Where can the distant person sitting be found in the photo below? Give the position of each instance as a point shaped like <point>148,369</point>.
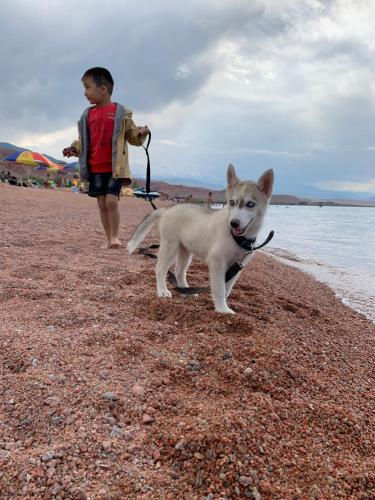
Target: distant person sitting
<point>11,179</point>
<point>47,183</point>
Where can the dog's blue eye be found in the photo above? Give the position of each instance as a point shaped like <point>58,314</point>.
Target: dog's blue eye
<point>231,203</point>
<point>250,204</point>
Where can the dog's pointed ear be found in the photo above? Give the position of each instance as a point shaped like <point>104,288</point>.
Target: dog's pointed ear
<point>265,182</point>
<point>232,179</point>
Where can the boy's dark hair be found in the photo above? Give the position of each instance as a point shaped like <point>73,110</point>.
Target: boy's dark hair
<point>101,76</point>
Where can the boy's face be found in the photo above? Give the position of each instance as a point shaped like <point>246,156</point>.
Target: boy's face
<point>93,93</point>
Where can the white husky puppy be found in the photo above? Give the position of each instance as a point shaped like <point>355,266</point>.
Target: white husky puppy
<point>213,236</point>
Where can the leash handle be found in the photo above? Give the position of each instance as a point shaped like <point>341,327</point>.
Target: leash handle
<point>148,172</point>
<point>148,169</point>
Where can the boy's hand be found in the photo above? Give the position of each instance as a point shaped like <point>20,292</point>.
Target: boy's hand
<point>143,132</point>
<point>69,152</point>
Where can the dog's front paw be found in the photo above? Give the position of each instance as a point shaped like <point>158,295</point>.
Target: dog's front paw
<point>226,310</point>
<point>166,294</point>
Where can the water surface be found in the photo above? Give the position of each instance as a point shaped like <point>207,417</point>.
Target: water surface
<point>334,244</point>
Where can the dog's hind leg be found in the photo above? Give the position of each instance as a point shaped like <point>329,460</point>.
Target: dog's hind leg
<point>183,260</point>
<point>166,256</point>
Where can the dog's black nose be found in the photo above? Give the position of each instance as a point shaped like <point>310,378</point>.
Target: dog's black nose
<point>235,223</point>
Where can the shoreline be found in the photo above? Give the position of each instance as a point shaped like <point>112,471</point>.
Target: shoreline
<point>362,304</point>
<point>109,392</point>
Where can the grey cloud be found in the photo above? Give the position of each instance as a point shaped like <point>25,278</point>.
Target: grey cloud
<point>49,49</point>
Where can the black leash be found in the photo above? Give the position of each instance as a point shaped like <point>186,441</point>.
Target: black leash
<point>148,172</point>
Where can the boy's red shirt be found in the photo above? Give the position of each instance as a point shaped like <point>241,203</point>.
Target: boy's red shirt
<point>101,122</point>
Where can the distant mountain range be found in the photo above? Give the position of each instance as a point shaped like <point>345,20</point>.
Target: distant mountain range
<point>183,181</point>
<point>311,194</point>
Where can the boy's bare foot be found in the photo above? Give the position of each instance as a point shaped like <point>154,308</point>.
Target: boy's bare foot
<point>115,243</point>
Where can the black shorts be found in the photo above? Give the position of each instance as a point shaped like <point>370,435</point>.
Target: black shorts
<point>102,184</point>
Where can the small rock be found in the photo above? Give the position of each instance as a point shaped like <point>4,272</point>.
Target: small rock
<point>226,356</point>
<point>199,456</point>
<point>57,419</point>
<point>194,366</point>
<point>147,419</point>
<point>107,446</point>
<point>137,487</point>
<point>52,401</point>
<point>56,489</point>
<point>244,481</point>
<point>51,472</point>
<point>109,396</point>
<point>198,480</point>
<point>109,420</point>
<point>116,431</point>
<point>138,390</point>
<point>83,448</point>
<point>25,422</point>
<point>4,455</point>
<point>180,445</point>
<point>48,456</point>
<point>256,494</point>
<point>80,495</point>
<point>37,472</point>
<point>248,372</point>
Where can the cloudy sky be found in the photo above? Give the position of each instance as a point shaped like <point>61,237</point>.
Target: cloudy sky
<point>282,84</point>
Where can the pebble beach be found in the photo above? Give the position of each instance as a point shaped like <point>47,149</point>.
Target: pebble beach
<point>108,392</point>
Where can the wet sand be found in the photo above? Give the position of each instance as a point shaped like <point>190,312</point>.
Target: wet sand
<point>108,392</point>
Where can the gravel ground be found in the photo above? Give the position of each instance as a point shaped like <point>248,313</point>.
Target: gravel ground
<point>108,392</point>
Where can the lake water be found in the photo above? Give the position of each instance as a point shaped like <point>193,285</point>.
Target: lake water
<point>334,244</point>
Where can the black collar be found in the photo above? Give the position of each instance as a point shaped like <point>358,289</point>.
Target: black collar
<point>245,243</point>
<point>248,243</point>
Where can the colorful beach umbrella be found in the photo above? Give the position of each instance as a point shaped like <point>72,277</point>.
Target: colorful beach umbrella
<point>33,159</point>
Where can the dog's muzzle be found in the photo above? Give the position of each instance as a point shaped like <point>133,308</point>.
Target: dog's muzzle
<point>235,223</point>
<point>236,226</point>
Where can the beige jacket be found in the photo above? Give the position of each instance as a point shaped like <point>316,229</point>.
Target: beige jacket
<point>124,131</point>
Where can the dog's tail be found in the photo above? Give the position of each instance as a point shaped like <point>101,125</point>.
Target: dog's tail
<point>143,229</point>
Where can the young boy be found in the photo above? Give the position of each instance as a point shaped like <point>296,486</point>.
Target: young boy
<point>104,130</point>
